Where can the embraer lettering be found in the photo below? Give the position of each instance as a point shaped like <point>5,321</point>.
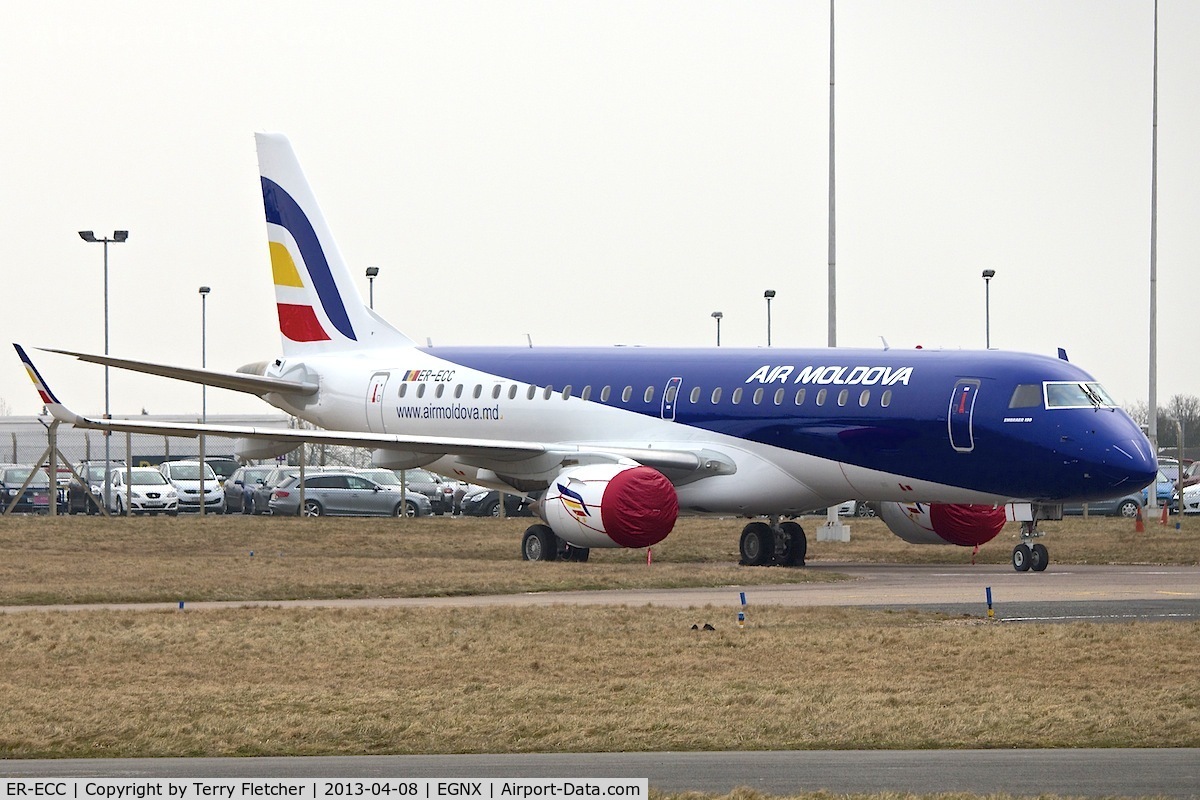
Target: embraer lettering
<point>834,375</point>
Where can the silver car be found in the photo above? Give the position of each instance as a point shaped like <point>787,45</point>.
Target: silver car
<point>345,494</point>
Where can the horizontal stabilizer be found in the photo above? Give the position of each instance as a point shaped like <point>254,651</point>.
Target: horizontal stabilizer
<point>234,381</point>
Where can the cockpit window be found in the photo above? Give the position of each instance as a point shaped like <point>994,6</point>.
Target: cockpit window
<point>1067,394</point>
<point>1026,395</point>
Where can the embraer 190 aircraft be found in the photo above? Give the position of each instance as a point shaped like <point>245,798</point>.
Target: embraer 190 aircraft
<point>615,443</point>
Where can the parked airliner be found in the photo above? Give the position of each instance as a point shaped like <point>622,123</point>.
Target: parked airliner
<point>615,443</point>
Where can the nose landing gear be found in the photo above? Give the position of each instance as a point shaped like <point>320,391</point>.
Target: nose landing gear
<point>1026,557</point>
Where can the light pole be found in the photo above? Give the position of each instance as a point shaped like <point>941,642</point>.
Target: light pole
<point>988,274</point>
<point>117,237</point>
<point>717,316</point>
<point>204,290</point>
<point>372,272</point>
<point>769,293</point>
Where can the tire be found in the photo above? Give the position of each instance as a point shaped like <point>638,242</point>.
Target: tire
<point>795,545</point>
<point>539,544</point>
<point>311,509</point>
<point>757,545</point>
<point>173,513</point>
<point>1022,557</point>
<point>864,509</point>
<point>408,509</point>
<point>1039,558</point>
<point>493,510</point>
<point>1129,509</point>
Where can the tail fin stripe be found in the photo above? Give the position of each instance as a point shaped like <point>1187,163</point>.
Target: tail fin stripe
<point>283,268</point>
<point>282,210</point>
<point>300,323</point>
<point>47,396</point>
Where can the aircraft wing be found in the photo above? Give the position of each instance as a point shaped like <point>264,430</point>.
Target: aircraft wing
<point>479,449</point>
<point>235,381</point>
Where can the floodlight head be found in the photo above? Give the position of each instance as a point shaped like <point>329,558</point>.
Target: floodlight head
<point>372,272</point>
<point>88,236</point>
<point>205,290</point>
<point>988,274</point>
<point>717,315</point>
<point>120,236</point>
<point>769,293</point>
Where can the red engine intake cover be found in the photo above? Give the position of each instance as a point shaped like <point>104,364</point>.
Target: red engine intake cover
<point>639,507</point>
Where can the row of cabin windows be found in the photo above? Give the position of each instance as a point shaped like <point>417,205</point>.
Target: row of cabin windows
<point>778,397</point>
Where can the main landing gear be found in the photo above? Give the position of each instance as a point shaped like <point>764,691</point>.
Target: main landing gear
<point>782,543</point>
<point>540,543</point>
<point>1026,557</point>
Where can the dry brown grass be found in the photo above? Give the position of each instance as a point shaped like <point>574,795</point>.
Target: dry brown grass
<point>81,559</point>
<point>274,682</point>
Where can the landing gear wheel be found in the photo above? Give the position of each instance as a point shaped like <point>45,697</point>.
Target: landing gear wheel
<point>1039,558</point>
<point>569,552</point>
<point>794,545</point>
<point>1022,558</point>
<point>539,544</point>
<point>757,545</point>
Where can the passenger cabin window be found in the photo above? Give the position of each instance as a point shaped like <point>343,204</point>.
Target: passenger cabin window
<point>403,389</point>
<point>626,394</point>
<point>605,393</point>
<point>695,397</point>
<point>886,399</point>
<point>546,394</point>
<point>566,392</point>
<point>737,395</point>
<point>649,394</point>
<point>512,392</point>
<point>716,395</point>
<point>821,396</point>
<point>458,391</point>
<point>529,395</point>
<point>758,396</point>
<point>586,394</point>
<point>864,397</point>
<point>779,396</point>
<point>843,396</point>
<point>439,390</point>
<point>420,390</point>
<point>496,391</point>
<point>800,396</point>
<point>478,391</point>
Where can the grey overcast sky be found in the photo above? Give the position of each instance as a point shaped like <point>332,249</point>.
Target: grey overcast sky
<point>594,173</point>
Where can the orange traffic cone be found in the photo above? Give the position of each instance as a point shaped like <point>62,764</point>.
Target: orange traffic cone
<point>1165,513</point>
<point>1139,526</point>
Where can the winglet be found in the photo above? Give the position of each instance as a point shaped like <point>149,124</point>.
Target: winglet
<point>52,404</point>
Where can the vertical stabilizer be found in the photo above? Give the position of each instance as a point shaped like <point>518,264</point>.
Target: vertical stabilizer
<point>317,301</point>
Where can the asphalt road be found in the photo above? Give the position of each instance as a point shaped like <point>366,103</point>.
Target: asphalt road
<point>1077,773</point>
<point>1064,593</point>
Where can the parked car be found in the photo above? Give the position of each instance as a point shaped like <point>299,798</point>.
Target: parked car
<point>262,492</point>
<point>224,467</point>
<point>78,494</point>
<point>35,499</point>
<point>856,508</point>
<point>345,494</point>
<point>1191,475</point>
<point>149,492</point>
<point>1190,499</point>
<point>186,477</point>
<point>240,488</point>
<point>486,503</point>
<point>1126,505</point>
<point>439,490</point>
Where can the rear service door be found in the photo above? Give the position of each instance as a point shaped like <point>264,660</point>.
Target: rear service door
<point>375,415</point>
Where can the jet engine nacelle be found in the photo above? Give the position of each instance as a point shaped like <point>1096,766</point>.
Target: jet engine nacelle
<point>943,523</point>
<point>400,459</point>
<point>610,505</point>
<point>261,449</point>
